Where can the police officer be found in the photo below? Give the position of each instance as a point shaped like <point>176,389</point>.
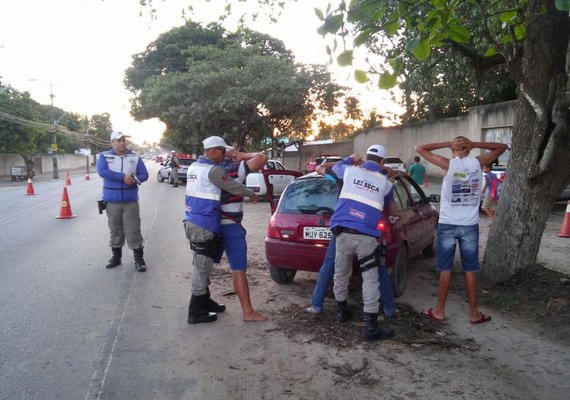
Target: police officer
<point>364,195</point>
<point>122,171</point>
<point>205,182</point>
<point>174,163</point>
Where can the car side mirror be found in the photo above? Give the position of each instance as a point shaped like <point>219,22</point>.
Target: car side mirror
<point>434,198</point>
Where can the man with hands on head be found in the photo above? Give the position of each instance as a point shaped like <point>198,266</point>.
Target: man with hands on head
<point>459,216</point>
<point>238,165</point>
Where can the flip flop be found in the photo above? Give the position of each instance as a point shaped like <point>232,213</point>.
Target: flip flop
<point>482,319</point>
<point>430,315</point>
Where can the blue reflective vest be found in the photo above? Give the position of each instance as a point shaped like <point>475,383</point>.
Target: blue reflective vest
<point>203,207</point>
<point>112,168</point>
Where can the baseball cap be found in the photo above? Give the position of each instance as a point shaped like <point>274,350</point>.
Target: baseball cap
<point>215,141</point>
<point>117,135</point>
<point>377,150</point>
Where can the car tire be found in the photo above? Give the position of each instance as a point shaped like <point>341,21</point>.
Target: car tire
<point>281,275</point>
<point>159,177</point>
<point>400,271</point>
<point>431,250</point>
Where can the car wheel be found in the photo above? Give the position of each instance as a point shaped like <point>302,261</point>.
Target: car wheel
<point>159,177</point>
<point>430,251</point>
<point>400,271</point>
<point>282,275</point>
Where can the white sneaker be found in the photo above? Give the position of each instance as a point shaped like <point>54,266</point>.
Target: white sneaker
<point>312,310</point>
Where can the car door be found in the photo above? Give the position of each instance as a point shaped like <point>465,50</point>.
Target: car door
<point>278,182</point>
<point>273,197</point>
<point>424,221</point>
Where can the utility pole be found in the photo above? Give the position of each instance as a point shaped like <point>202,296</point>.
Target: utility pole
<point>54,137</point>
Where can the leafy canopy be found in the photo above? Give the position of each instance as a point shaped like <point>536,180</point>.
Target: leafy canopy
<point>202,81</point>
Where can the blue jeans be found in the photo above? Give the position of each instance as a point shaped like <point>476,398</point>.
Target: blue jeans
<point>386,293</point>
<point>326,273</point>
<point>448,236</point>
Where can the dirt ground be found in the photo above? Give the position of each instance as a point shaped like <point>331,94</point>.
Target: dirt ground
<point>521,354</point>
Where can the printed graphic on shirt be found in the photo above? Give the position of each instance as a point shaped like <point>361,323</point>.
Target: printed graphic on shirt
<point>465,189</point>
<point>357,214</point>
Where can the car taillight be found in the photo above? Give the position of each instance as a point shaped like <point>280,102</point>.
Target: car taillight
<point>272,231</point>
<point>385,230</point>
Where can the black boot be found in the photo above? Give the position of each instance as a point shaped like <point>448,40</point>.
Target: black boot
<point>342,313</point>
<point>116,258</point>
<point>197,312</point>
<point>211,306</point>
<point>139,260</point>
<point>372,331</point>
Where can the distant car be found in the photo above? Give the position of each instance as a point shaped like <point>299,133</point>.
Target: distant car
<point>298,233</point>
<point>278,182</point>
<point>395,163</point>
<point>323,158</point>
<point>499,171</point>
<point>185,161</point>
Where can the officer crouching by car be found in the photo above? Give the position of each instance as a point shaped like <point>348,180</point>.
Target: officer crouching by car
<point>204,185</point>
<point>122,171</point>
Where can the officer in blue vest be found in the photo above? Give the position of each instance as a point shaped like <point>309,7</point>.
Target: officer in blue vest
<point>365,193</point>
<point>205,182</point>
<point>122,171</point>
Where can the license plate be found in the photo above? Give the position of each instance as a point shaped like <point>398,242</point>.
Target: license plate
<point>317,233</point>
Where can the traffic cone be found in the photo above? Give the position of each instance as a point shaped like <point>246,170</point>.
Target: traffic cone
<point>30,189</point>
<point>565,228</point>
<point>67,180</point>
<point>65,211</point>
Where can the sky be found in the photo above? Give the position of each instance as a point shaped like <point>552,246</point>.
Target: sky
<point>78,50</point>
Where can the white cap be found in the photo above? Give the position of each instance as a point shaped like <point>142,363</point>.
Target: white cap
<point>215,141</point>
<point>173,151</point>
<point>117,135</point>
<point>377,150</point>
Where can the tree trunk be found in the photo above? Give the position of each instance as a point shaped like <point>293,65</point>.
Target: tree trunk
<point>539,167</point>
<point>29,161</point>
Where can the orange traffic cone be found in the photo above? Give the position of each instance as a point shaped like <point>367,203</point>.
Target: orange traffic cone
<point>565,228</point>
<point>67,180</point>
<point>65,211</point>
<point>30,190</point>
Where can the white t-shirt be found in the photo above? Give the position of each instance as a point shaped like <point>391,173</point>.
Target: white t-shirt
<point>461,192</point>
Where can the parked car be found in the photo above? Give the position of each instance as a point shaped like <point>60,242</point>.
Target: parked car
<point>185,160</point>
<point>298,232</point>
<point>395,163</point>
<point>323,158</point>
<point>278,182</point>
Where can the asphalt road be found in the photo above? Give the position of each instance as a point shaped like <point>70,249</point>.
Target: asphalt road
<point>62,313</point>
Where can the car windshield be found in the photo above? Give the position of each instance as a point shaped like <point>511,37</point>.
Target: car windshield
<point>309,196</point>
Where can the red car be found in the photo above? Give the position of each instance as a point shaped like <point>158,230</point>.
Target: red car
<point>298,233</point>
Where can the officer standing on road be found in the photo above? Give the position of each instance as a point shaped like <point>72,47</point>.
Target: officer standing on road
<point>174,164</point>
<point>122,171</point>
<point>205,182</point>
<point>365,193</point>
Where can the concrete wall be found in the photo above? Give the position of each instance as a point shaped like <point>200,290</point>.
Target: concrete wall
<point>400,141</point>
<point>43,163</point>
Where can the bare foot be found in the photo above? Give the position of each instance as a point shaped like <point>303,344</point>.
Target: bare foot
<point>255,316</point>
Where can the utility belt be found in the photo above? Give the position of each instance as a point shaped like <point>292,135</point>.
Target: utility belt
<point>337,230</point>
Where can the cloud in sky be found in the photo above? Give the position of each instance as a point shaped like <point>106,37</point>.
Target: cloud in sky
<point>82,48</point>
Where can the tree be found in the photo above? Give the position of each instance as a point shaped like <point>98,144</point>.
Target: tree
<point>244,86</point>
<point>531,39</point>
<point>16,137</point>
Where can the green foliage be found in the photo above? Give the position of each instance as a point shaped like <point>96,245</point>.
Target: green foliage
<point>438,52</point>
<point>245,85</point>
